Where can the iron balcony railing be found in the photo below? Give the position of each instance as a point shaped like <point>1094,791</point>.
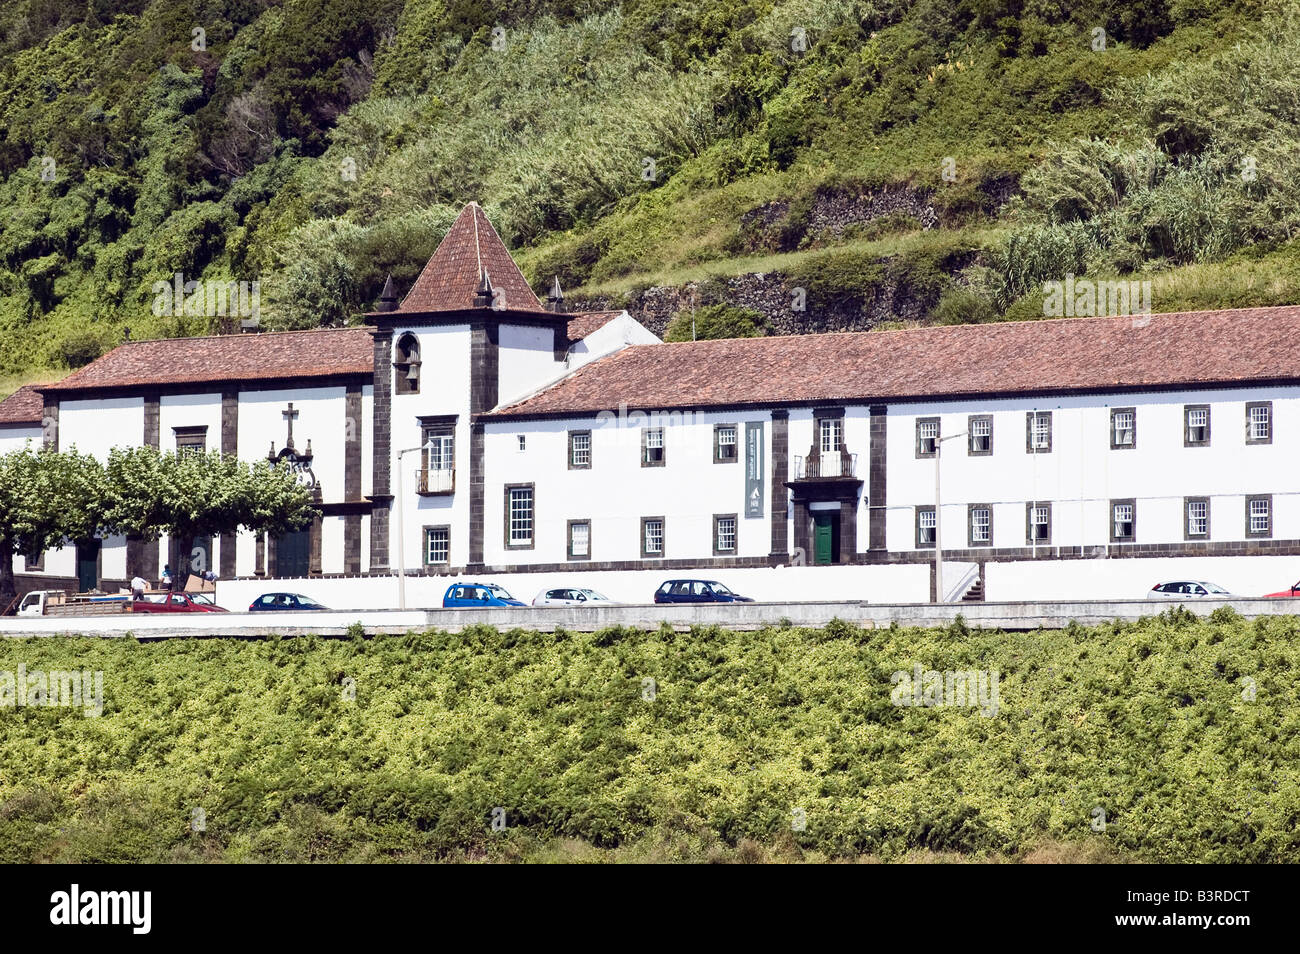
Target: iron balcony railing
<point>827,466</point>
<point>436,481</point>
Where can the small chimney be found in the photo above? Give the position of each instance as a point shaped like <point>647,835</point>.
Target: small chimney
<point>483,297</point>
<point>388,297</point>
<point>555,300</point>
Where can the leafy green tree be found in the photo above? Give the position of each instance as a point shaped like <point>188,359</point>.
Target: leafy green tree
<point>191,495</point>
<point>47,499</point>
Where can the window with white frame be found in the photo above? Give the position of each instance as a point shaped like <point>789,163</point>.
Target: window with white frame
<point>437,546</point>
<point>1259,422</point>
<point>1040,523</point>
<point>652,447</point>
<point>981,525</point>
<point>652,536</point>
<point>831,430</point>
<point>1259,516</point>
<point>1123,428</point>
<point>1123,521</point>
<point>925,527</point>
<point>724,533</point>
<point>927,436</point>
<point>579,450</point>
<point>579,539</point>
<point>980,431</point>
<point>1040,432</point>
<point>1198,425</point>
<point>519,516</point>
<point>724,444</point>
<point>1198,517</point>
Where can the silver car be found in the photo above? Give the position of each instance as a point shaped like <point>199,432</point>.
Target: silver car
<point>1189,590</point>
<point>571,596</point>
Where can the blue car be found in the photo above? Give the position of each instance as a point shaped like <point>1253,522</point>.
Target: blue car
<point>697,591</point>
<point>472,595</point>
<point>292,602</point>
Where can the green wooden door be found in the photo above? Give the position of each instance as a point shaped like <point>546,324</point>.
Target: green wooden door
<point>293,553</point>
<point>823,538</point>
<point>88,565</point>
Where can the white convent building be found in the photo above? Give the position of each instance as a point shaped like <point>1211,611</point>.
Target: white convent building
<point>1081,457</point>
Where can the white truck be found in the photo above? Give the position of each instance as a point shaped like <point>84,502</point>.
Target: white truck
<point>59,603</point>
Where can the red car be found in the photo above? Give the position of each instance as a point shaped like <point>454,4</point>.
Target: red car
<point>174,603</point>
<point>1284,594</point>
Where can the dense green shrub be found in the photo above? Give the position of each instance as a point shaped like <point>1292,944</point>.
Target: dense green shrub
<point>401,747</point>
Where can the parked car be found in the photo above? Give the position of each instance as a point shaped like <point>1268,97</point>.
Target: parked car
<point>1188,590</point>
<point>697,591</point>
<point>1284,594</point>
<point>571,596</point>
<point>471,595</point>
<point>271,602</point>
<point>174,603</point>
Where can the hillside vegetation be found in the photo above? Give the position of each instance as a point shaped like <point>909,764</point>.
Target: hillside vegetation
<point>951,154</point>
<point>401,747</point>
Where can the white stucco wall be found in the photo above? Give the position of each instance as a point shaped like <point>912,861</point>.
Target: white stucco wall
<point>617,491</point>
<point>16,437</point>
<point>1082,474</point>
<point>97,426</point>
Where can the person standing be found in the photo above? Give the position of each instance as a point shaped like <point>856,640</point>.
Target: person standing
<point>137,587</point>
<point>167,577</point>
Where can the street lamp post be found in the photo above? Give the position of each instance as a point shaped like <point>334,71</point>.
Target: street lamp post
<point>938,522</point>
<point>401,530</point>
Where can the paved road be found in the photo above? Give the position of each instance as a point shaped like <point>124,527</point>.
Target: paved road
<point>742,616</point>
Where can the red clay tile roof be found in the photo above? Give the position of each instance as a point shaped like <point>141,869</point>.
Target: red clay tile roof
<point>585,323</point>
<point>450,280</point>
<point>324,352</point>
<point>24,406</point>
<point>1058,355</point>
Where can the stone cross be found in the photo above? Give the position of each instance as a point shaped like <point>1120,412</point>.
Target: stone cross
<point>290,416</point>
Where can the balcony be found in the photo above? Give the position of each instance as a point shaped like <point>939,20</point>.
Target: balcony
<point>434,482</point>
<point>830,467</point>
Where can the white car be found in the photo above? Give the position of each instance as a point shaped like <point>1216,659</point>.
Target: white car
<point>1188,590</point>
<point>571,596</point>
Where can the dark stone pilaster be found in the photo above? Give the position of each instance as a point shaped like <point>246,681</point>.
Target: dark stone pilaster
<point>484,370</point>
<point>229,447</point>
<point>151,421</point>
<point>778,505</point>
<point>50,424</point>
<point>848,531</point>
<point>352,478</point>
<point>476,494</point>
<point>803,530</point>
<point>876,472</point>
<point>382,452</point>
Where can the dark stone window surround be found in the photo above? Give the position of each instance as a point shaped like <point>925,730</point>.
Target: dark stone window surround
<point>717,446</point>
<point>1187,533</point>
<point>1254,404</point>
<point>505,531</point>
<point>970,525</point>
<point>568,539</point>
<point>591,449</point>
<point>916,525</point>
<point>424,540</point>
<point>1266,533</point>
<point>1118,410</point>
<point>1110,516</point>
<point>663,447</point>
<point>663,539</point>
<point>930,419</point>
<point>735,519</point>
<point>971,420</point>
<point>1030,541</point>
<point>1030,417</point>
<point>1187,412</point>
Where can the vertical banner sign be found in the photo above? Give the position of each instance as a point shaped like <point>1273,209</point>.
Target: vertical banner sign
<point>755,471</point>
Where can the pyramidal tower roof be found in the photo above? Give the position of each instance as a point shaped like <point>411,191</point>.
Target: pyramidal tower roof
<point>470,251</point>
